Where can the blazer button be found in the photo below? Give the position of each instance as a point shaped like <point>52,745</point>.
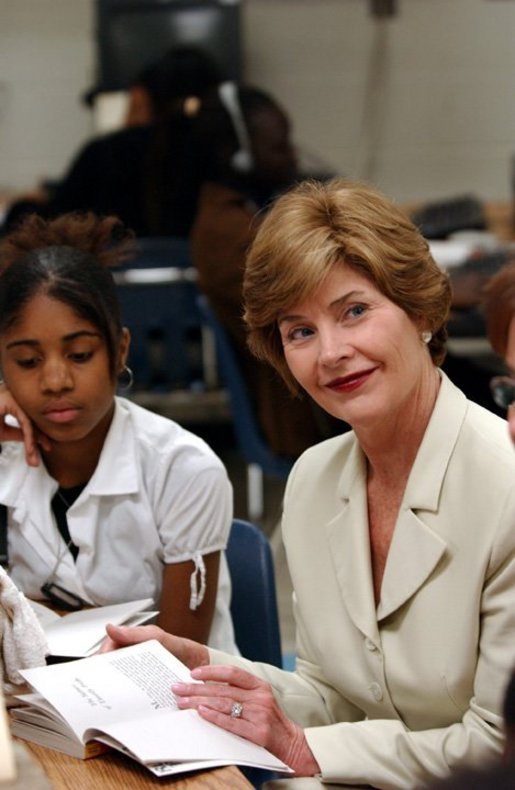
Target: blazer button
<point>376,691</point>
<point>370,645</point>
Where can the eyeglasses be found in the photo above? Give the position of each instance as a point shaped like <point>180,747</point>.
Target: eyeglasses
<point>503,391</point>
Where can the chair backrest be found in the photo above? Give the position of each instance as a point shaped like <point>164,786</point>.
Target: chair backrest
<point>254,600</point>
<point>252,445</point>
<point>158,299</point>
<point>160,251</point>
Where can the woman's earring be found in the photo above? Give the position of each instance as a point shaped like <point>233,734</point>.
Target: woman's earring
<point>125,379</point>
<point>426,336</point>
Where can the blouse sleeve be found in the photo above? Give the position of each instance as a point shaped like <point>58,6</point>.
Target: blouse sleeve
<point>194,507</point>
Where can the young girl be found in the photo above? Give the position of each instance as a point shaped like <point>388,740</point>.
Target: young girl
<point>124,504</point>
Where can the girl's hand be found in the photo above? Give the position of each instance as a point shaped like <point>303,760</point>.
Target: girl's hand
<point>25,432</point>
<point>191,653</point>
<point>261,719</point>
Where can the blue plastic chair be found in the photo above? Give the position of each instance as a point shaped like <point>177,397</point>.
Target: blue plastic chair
<point>254,601</point>
<point>259,457</point>
<point>158,299</point>
<point>160,251</point>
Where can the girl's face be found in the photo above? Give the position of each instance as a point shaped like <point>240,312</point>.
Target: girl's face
<point>56,366</point>
<point>358,355</point>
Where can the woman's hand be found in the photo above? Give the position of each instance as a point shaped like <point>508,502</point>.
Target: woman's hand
<point>25,432</point>
<point>261,720</point>
<point>191,653</point>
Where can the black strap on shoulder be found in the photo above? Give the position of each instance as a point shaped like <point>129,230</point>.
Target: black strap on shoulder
<point>4,558</point>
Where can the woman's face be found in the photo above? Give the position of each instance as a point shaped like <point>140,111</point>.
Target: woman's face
<point>56,365</point>
<point>358,355</point>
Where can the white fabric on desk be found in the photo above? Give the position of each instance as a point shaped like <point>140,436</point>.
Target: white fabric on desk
<point>23,641</point>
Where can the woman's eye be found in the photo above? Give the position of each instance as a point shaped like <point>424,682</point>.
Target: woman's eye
<point>300,333</point>
<point>356,310</point>
<point>81,356</point>
<point>27,364</point>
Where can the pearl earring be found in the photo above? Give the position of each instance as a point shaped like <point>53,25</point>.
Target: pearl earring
<point>426,336</point>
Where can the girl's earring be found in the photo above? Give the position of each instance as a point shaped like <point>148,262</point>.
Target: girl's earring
<point>125,379</point>
<point>426,336</point>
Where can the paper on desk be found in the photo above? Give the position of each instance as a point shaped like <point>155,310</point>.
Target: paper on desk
<point>80,633</point>
<point>43,613</point>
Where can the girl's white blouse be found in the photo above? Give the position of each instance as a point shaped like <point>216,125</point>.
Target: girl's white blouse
<point>159,495</point>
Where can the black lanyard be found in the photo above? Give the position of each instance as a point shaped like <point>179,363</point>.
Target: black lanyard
<point>61,522</point>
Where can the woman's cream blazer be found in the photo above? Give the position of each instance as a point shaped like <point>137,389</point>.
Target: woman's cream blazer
<point>395,695</point>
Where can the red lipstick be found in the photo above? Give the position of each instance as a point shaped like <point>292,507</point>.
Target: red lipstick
<point>350,382</point>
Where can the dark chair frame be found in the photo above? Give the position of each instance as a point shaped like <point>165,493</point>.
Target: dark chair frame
<point>259,457</point>
<point>254,600</point>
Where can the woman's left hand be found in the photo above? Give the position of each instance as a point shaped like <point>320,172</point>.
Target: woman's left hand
<point>243,704</point>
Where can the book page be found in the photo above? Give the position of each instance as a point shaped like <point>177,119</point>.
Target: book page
<point>183,736</point>
<point>44,614</point>
<point>80,633</point>
<point>126,694</point>
<point>123,684</point>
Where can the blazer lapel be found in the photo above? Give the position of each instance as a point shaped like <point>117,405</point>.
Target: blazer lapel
<point>416,549</point>
<point>414,553</point>
<point>348,539</point>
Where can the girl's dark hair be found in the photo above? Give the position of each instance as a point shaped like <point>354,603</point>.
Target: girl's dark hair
<point>66,259</point>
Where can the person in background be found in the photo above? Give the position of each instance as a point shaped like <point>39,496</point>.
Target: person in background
<point>130,173</point>
<point>247,158</point>
<point>499,309</point>
<point>509,719</point>
<point>115,503</point>
<point>498,302</point>
<point>398,534</point>
<point>498,773</point>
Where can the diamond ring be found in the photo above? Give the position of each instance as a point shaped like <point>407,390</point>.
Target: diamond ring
<point>236,710</point>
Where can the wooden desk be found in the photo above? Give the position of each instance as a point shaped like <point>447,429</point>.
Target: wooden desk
<point>113,771</point>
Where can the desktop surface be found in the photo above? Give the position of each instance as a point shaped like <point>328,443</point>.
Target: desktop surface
<point>114,771</point>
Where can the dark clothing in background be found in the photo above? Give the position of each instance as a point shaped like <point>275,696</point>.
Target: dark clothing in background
<point>119,174</point>
<point>222,231</point>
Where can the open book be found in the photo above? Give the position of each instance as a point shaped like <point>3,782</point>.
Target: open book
<point>79,634</point>
<point>123,700</point>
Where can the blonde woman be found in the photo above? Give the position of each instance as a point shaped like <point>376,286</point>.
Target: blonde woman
<point>399,534</point>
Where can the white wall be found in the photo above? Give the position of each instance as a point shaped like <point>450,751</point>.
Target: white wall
<point>46,60</point>
<point>421,104</point>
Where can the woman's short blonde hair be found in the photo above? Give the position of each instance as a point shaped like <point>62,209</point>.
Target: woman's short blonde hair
<point>317,226</point>
<point>499,305</point>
